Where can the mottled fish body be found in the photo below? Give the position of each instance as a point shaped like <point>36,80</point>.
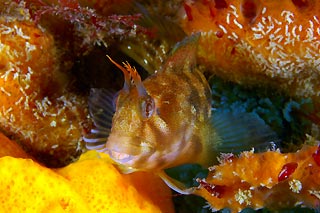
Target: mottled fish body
<point>166,120</point>
<point>173,135</point>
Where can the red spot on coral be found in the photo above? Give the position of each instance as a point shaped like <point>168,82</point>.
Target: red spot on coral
<point>36,35</point>
<point>220,4</point>
<point>219,34</point>
<point>188,11</point>
<point>212,13</point>
<point>249,9</point>
<point>214,190</point>
<point>94,21</point>
<point>74,4</point>
<point>210,6</point>
<point>300,3</point>
<point>316,156</point>
<point>287,170</point>
<point>233,51</point>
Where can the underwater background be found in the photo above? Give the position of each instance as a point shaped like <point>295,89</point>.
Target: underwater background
<point>73,38</point>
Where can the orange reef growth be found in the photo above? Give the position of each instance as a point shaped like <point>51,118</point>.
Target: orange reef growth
<point>265,180</point>
<point>82,23</point>
<point>36,107</point>
<point>40,42</point>
<point>259,42</point>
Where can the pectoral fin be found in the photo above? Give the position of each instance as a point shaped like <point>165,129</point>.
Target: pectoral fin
<point>101,109</point>
<point>242,131</point>
<point>175,184</point>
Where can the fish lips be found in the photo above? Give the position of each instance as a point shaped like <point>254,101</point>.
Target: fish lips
<point>127,149</point>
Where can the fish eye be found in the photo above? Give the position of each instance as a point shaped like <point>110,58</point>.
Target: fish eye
<point>147,107</point>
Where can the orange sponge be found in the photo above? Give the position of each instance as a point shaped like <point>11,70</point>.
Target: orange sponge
<point>259,41</point>
<point>270,179</point>
<point>36,107</point>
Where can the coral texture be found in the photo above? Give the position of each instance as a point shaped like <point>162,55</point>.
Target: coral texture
<point>36,107</point>
<point>264,180</point>
<point>259,42</point>
<point>40,42</point>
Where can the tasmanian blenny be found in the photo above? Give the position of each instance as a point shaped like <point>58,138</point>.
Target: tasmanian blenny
<point>167,120</point>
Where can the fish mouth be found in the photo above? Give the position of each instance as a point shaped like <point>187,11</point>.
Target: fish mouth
<point>125,149</point>
<point>119,157</point>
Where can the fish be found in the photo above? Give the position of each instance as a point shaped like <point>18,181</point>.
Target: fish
<point>167,119</point>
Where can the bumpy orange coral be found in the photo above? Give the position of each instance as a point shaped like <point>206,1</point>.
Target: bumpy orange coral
<point>255,41</point>
<point>91,184</point>
<point>35,105</point>
<point>271,179</point>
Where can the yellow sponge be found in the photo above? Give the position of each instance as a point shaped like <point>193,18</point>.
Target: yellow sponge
<point>107,190</point>
<point>92,184</point>
<point>26,186</point>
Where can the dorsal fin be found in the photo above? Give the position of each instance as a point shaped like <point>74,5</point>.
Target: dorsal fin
<point>183,55</point>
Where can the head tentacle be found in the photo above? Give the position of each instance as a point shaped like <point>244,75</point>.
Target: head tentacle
<point>131,73</point>
<point>136,79</point>
<point>126,73</point>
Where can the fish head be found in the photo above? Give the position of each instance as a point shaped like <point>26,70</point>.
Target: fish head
<point>153,123</point>
<point>157,123</point>
<point>132,140</point>
<point>127,142</point>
